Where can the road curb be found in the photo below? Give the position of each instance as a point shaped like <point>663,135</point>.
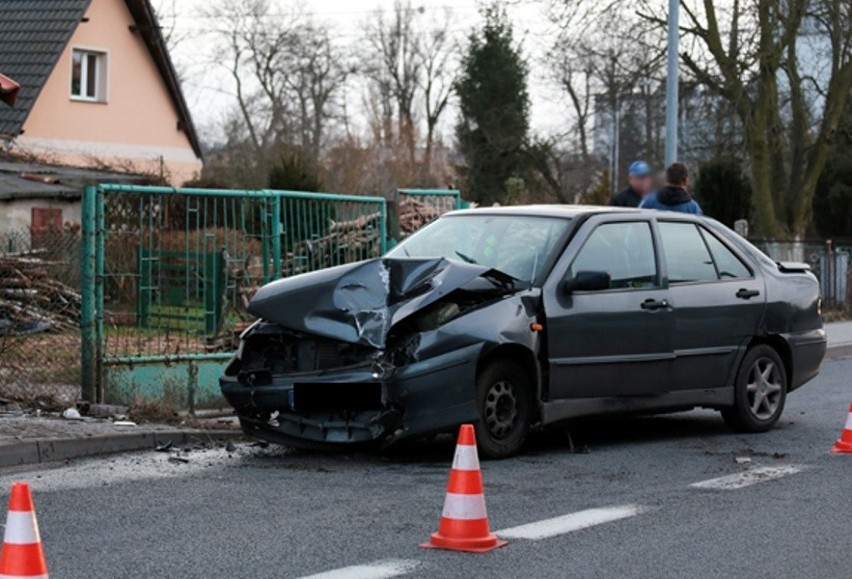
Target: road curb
<point>838,351</point>
<point>40,450</point>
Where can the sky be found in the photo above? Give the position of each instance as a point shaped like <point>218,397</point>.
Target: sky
<point>207,88</point>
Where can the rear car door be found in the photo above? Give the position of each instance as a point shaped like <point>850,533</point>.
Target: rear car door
<point>615,341</point>
<point>718,303</point>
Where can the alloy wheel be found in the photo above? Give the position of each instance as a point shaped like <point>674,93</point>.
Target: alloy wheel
<point>764,388</point>
<point>501,409</point>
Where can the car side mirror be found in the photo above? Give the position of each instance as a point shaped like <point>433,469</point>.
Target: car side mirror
<point>587,281</point>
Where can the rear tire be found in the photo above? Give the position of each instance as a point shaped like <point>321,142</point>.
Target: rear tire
<point>760,391</point>
<point>504,401</point>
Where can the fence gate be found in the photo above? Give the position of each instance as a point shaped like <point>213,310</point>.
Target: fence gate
<point>168,274</point>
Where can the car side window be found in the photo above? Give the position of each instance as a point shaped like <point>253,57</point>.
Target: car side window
<point>624,250</point>
<point>729,266</point>
<point>687,257</point>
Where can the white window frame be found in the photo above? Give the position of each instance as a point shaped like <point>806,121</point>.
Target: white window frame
<point>101,74</point>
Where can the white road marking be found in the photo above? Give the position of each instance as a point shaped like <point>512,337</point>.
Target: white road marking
<point>376,570</point>
<point>568,523</point>
<point>747,477</point>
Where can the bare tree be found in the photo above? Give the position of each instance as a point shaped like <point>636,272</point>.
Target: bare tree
<point>605,60</point>
<point>256,52</point>
<point>409,63</point>
<point>435,53</point>
<point>392,63</point>
<point>319,73</point>
<point>749,53</point>
<point>286,75</point>
<point>167,17</point>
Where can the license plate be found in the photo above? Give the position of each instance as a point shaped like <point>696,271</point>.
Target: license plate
<point>309,396</point>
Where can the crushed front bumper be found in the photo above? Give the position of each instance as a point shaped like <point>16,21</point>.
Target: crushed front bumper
<point>423,397</point>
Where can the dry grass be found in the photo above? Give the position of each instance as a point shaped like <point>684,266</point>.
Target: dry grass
<point>154,411</point>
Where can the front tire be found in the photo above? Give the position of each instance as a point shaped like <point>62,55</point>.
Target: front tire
<point>760,391</point>
<point>504,401</point>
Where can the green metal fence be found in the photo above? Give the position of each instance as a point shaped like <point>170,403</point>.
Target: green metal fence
<point>168,274</point>
<point>320,230</point>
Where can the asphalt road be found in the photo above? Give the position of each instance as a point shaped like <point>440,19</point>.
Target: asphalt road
<point>275,513</point>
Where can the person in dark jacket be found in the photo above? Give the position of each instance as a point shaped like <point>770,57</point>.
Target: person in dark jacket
<point>639,178</point>
<point>674,196</point>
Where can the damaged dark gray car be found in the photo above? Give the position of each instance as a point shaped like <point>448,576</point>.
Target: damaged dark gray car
<point>520,316</point>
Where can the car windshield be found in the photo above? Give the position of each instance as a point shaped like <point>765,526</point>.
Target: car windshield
<point>518,245</point>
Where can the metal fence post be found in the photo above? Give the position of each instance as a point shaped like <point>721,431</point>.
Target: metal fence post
<point>192,387</point>
<point>88,323</point>
<point>100,254</point>
<point>383,226</point>
<point>276,238</point>
<point>264,238</point>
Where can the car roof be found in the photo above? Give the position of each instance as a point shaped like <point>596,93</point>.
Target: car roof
<point>556,210</point>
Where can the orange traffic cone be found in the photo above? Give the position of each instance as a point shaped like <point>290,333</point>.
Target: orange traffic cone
<point>22,555</point>
<point>464,521</point>
<point>844,443</point>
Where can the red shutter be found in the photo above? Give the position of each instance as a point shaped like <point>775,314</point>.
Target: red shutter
<point>42,221</point>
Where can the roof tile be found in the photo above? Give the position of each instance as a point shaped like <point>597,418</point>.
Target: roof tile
<point>33,34</point>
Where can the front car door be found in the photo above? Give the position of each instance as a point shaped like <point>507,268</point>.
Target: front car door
<point>718,303</point>
<point>615,341</point>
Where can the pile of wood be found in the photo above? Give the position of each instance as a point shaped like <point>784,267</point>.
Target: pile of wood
<point>345,242</point>
<point>415,213</point>
<point>31,300</point>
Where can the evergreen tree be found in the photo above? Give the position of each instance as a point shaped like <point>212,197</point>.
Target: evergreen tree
<point>294,172</point>
<point>833,200</point>
<point>494,116</point>
<point>723,189</point>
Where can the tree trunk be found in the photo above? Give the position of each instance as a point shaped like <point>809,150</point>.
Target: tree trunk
<point>757,145</point>
<point>427,153</point>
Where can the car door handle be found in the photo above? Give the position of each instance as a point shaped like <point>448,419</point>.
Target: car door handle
<point>747,294</point>
<point>652,304</point>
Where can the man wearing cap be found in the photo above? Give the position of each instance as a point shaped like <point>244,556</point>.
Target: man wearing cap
<point>639,178</point>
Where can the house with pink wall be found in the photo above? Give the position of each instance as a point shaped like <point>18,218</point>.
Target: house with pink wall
<point>98,88</point>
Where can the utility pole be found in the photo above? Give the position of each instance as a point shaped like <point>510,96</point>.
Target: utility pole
<point>672,83</point>
<point>616,140</point>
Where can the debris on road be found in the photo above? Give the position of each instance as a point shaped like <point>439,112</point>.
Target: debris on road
<point>165,447</point>
<point>742,459</point>
<point>124,423</point>
<point>178,459</point>
<point>230,447</point>
<point>71,414</point>
<point>107,411</point>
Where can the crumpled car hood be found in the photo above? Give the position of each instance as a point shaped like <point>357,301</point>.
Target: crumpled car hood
<point>360,302</point>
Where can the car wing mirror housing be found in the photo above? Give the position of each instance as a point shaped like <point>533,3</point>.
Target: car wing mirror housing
<point>587,281</point>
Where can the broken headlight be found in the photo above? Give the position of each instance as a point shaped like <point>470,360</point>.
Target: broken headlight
<point>437,315</point>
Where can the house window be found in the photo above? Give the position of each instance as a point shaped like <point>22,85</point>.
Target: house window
<point>88,75</point>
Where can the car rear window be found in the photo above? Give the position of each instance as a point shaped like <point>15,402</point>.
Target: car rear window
<point>729,266</point>
<point>693,254</point>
